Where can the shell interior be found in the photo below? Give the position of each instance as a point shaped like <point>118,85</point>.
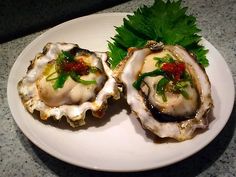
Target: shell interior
<point>73,99</point>
<point>177,116</point>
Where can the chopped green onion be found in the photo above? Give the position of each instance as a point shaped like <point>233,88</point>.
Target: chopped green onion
<point>137,83</point>
<point>77,78</point>
<point>184,94</point>
<point>60,58</point>
<point>187,77</point>
<point>50,77</point>
<point>180,87</point>
<point>68,56</point>
<point>93,69</point>
<point>59,83</point>
<point>87,82</point>
<point>166,59</point>
<point>161,86</point>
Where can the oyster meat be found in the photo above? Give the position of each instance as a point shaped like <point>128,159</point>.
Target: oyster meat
<point>167,89</point>
<point>65,80</point>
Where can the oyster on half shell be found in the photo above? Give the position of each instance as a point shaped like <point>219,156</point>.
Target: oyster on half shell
<point>65,80</point>
<point>167,89</point>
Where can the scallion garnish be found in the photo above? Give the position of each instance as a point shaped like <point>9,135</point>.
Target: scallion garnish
<point>77,78</point>
<point>93,69</point>
<point>68,56</point>
<point>181,88</point>
<point>50,77</point>
<point>138,82</point>
<point>161,86</point>
<point>61,79</point>
<point>166,59</point>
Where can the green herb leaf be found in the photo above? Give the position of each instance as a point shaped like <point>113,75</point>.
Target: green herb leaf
<point>200,53</point>
<point>116,54</point>
<point>164,21</point>
<point>161,86</point>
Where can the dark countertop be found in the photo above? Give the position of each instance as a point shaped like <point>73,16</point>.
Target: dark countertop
<point>19,18</point>
<point>19,157</point>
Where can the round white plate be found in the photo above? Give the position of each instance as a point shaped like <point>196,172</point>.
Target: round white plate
<point>118,142</point>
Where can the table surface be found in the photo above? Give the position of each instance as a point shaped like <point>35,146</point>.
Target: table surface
<point>19,157</point>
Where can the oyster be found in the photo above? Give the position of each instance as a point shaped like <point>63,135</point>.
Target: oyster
<point>167,89</point>
<point>65,80</point>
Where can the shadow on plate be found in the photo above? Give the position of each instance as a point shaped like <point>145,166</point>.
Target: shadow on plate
<point>114,108</point>
<point>191,166</point>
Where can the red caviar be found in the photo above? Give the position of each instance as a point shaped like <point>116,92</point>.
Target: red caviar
<point>79,67</point>
<point>175,69</point>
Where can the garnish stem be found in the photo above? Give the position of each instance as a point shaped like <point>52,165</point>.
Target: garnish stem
<point>137,83</point>
<point>161,86</point>
<point>48,78</point>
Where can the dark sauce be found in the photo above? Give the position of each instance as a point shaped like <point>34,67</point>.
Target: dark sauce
<point>162,117</point>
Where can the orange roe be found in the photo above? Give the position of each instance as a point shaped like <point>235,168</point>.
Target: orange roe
<point>79,67</point>
<point>174,69</point>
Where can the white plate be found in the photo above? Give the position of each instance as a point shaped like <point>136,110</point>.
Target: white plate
<point>118,143</point>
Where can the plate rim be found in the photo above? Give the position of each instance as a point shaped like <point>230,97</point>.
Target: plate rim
<point>47,148</point>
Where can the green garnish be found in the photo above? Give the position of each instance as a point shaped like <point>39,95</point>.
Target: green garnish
<point>93,69</point>
<point>161,86</point>
<point>50,77</point>
<point>64,55</point>
<point>164,21</point>
<point>61,79</point>
<point>60,58</point>
<point>184,94</point>
<point>77,78</point>
<point>180,87</point>
<point>166,59</point>
<point>187,77</point>
<point>67,55</point>
<point>138,82</point>
<point>177,86</point>
<point>86,82</point>
<point>66,59</point>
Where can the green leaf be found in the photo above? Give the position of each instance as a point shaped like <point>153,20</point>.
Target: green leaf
<point>200,54</point>
<point>116,54</point>
<point>164,21</point>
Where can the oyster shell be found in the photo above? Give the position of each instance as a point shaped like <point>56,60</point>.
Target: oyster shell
<point>166,109</point>
<point>73,99</point>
